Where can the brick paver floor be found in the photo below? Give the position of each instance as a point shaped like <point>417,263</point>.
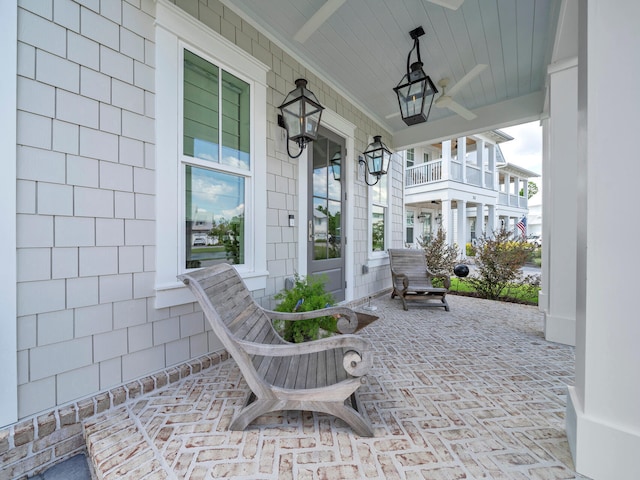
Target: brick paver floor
<point>472,393</point>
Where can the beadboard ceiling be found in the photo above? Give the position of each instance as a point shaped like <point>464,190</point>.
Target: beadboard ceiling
<point>361,48</point>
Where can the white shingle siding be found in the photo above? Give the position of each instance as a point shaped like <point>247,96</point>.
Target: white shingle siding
<point>99,28</point>
<point>64,262</point>
<point>57,71</point>
<point>34,264</point>
<point>36,97</point>
<point>86,224</point>
<point>115,288</point>
<point>82,292</point>
<point>110,232</point>
<point>74,232</point>
<point>66,138</point>
<point>54,199</point>
<point>95,85</point>
<point>67,355</point>
<point>77,383</point>
<point>96,261</point>
<point>109,345</point>
<point>38,32</point>
<point>34,130</point>
<point>76,109</point>
<point>93,320</point>
<point>54,327</point>
<point>138,364</point>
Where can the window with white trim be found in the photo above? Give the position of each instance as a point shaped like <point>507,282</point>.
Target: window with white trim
<point>216,162</point>
<point>411,156</point>
<point>379,215</point>
<point>210,123</point>
<point>409,226</point>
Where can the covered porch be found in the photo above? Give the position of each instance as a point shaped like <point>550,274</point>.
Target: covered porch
<point>472,393</point>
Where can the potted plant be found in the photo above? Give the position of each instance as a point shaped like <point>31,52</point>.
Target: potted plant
<point>307,294</point>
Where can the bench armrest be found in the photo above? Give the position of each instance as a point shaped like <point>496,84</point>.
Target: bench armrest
<point>347,322</point>
<point>352,344</point>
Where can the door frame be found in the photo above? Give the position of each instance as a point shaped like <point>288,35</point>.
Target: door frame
<point>342,127</point>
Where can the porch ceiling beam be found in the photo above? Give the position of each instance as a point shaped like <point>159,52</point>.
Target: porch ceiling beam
<point>317,19</point>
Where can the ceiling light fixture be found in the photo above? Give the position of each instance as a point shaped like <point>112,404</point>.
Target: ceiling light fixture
<point>415,87</point>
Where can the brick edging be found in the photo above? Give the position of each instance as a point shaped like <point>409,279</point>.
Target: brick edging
<point>37,443</point>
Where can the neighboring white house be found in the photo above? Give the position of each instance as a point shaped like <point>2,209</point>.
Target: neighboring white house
<point>534,219</point>
<point>467,198</point>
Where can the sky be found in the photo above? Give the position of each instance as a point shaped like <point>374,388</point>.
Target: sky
<point>525,150</point>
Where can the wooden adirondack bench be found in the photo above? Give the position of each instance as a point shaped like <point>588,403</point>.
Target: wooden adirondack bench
<point>412,280</point>
<point>321,375</point>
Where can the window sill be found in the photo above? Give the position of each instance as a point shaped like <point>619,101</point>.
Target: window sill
<point>176,293</point>
<point>378,260</point>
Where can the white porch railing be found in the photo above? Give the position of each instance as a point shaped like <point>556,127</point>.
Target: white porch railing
<point>474,176</point>
<point>512,200</point>
<point>423,173</point>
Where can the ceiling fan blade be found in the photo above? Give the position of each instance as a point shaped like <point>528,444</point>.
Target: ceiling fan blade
<point>451,4</point>
<point>460,110</point>
<point>317,19</point>
<point>474,72</point>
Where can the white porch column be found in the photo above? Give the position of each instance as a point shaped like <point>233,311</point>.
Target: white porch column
<point>462,157</point>
<point>560,164</point>
<point>446,159</point>
<point>492,167</point>
<point>480,158</point>
<point>462,226</point>
<point>480,230</point>
<point>447,220</point>
<point>491,220</point>
<point>507,187</point>
<point>603,418</point>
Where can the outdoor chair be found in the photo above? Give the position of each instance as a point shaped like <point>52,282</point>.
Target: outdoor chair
<point>320,375</point>
<point>412,280</point>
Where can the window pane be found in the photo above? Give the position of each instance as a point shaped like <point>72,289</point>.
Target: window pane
<point>379,191</point>
<point>333,223</point>
<point>200,136</point>
<point>214,217</point>
<point>235,121</point>
<point>377,229</point>
<point>320,229</point>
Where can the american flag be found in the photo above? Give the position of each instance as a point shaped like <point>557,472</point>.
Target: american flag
<point>522,226</point>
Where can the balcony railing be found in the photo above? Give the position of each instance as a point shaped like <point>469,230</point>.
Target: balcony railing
<point>474,176</point>
<point>512,200</point>
<point>423,173</point>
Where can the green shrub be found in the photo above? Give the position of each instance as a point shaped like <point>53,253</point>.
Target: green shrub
<point>498,263</point>
<point>307,294</point>
<point>471,250</point>
<point>441,257</point>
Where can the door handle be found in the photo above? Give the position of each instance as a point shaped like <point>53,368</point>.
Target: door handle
<point>311,230</point>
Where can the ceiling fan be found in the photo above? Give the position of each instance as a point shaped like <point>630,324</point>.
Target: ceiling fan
<point>451,4</point>
<point>446,99</point>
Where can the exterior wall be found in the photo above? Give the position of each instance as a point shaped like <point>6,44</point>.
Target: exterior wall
<point>86,197</point>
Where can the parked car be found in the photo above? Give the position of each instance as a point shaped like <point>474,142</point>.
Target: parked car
<point>535,240</point>
<point>199,241</point>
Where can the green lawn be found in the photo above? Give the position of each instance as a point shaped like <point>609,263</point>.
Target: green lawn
<point>523,293</point>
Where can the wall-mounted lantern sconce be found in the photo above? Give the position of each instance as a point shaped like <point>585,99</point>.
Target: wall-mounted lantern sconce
<point>335,166</point>
<point>422,217</point>
<point>415,87</point>
<point>376,159</point>
<point>300,116</point>
<point>439,218</point>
